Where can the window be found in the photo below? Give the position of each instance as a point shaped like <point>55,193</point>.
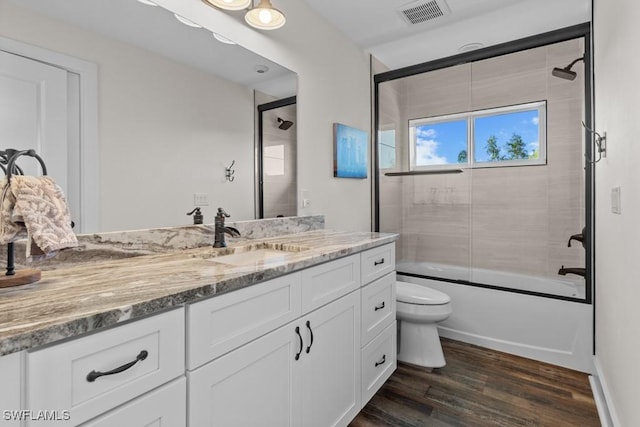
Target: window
<point>273,160</point>
<point>506,136</point>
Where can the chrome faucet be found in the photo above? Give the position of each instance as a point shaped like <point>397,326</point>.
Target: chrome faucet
<point>221,229</point>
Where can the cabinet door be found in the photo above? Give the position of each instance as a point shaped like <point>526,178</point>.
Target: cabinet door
<point>332,363</point>
<point>254,385</point>
<point>10,389</point>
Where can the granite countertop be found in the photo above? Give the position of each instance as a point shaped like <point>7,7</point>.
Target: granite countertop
<point>70,301</point>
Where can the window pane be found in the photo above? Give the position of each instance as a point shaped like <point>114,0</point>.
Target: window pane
<point>441,143</point>
<point>507,136</point>
<point>387,149</point>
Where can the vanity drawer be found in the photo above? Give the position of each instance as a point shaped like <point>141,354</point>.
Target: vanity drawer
<point>221,324</point>
<point>166,406</point>
<point>378,362</point>
<point>377,262</point>
<point>58,376</point>
<point>378,306</point>
<point>328,282</point>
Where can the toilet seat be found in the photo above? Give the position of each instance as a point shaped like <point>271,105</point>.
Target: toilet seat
<point>412,293</point>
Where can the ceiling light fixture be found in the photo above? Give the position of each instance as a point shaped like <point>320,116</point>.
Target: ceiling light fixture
<point>147,2</point>
<point>186,21</point>
<point>223,39</point>
<point>265,16</point>
<point>229,4</point>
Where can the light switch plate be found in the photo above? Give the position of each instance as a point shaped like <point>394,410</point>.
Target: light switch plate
<point>615,201</point>
<point>200,199</point>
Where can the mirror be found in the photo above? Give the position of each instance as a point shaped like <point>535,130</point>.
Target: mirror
<point>175,108</point>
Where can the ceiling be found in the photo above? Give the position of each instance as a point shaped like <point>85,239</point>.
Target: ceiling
<point>156,29</point>
<point>375,25</point>
<point>378,26</point>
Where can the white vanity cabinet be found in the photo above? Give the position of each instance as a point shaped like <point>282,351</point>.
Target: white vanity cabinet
<point>379,330</point>
<point>307,349</point>
<point>94,374</point>
<point>304,373</point>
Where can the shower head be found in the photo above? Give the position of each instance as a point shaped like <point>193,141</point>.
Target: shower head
<point>284,124</point>
<point>566,73</point>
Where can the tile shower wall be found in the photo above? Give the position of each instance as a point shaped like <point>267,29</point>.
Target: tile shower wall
<point>515,219</point>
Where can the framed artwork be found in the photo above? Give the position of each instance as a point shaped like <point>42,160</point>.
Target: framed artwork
<point>350,152</point>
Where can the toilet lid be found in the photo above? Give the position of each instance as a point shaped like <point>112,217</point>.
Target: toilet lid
<point>418,294</point>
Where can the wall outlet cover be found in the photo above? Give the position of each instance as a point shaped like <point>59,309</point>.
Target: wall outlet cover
<point>200,199</point>
<point>616,207</point>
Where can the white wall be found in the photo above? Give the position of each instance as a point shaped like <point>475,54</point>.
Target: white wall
<point>333,86</point>
<point>166,131</point>
<point>617,96</point>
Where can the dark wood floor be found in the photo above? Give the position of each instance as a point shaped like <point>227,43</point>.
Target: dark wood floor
<point>482,387</point>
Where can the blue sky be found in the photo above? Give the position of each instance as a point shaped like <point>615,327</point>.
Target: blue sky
<point>441,143</point>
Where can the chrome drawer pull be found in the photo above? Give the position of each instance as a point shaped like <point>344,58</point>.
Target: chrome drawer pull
<point>381,362</point>
<point>301,344</point>
<point>93,375</point>
<point>379,307</point>
<point>378,262</point>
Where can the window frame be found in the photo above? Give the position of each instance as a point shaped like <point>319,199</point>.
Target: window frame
<point>470,117</point>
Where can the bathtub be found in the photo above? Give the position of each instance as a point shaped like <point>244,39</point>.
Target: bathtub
<point>547,329</point>
<point>563,286</point>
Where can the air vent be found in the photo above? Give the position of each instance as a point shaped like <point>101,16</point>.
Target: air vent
<point>419,12</point>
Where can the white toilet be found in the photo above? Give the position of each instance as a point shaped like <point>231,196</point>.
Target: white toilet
<point>419,308</point>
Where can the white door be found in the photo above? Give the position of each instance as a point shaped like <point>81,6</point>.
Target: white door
<point>33,114</point>
<point>255,385</point>
<point>332,365</point>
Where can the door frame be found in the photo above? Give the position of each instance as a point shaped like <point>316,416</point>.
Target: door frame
<point>89,196</point>
<point>259,149</point>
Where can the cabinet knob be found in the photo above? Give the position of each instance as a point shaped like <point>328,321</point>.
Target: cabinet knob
<point>379,307</point>
<point>379,262</point>
<point>382,360</point>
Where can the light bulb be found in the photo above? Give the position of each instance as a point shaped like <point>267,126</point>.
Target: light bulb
<point>265,16</point>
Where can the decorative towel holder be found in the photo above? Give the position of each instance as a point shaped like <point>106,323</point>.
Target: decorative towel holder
<point>8,164</point>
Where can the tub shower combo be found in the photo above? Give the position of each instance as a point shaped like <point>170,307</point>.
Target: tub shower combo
<point>483,171</point>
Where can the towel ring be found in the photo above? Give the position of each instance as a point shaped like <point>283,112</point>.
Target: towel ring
<point>14,157</point>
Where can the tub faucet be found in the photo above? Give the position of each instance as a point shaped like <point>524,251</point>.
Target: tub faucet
<point>221,229</point>
<point>579,271</point>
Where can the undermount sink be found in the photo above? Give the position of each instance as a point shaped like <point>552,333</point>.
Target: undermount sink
<point>255,256</point>
<point>252,257</point>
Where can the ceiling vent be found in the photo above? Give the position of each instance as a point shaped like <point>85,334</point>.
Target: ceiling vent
<point>423,11</point>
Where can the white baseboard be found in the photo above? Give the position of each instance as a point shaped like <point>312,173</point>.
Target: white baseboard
<point>602,396</point>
